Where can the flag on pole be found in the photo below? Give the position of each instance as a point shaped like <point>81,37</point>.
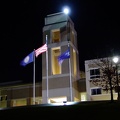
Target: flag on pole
<point>28,59</point>
<point>63,56</point>
<point>41,50</point>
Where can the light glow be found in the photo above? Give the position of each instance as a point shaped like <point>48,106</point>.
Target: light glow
<point>66,10</point>
<point>59,100</point>
<point>115,59</point>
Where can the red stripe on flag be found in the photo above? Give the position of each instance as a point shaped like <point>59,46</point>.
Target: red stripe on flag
<point>41,50</point>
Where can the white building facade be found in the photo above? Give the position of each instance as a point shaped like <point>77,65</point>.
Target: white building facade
<point>93,72</point>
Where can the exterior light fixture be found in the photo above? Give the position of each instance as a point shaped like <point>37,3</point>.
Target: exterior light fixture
<point>66,10</point>
<point>115,60</point>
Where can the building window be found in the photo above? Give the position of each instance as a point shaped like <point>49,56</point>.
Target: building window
<point>55,36</point>
<point>75,64</point>
<point>96,91</point>
<point>94,73</point>
<point>5,97</point>
<point>56,68</point>
<point>1,98</point>
<point>72,37</point>
<point>83,96</point>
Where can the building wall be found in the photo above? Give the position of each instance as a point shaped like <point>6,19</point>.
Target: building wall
<point>91,65</point>
<point>19,95</point>
<point>22,94</point>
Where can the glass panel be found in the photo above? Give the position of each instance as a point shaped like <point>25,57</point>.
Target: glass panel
<point>96,91</point>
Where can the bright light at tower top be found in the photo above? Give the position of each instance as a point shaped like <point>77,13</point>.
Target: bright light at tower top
<point>66,10</point>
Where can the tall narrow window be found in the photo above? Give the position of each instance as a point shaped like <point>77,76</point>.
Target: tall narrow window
<point>56,68</point>
<point>0,98</point>
<point>72,37</point>
<point>74,61</point>
<point>56,36</point>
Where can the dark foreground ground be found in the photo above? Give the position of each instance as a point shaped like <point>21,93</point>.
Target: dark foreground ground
<point>104,110</point>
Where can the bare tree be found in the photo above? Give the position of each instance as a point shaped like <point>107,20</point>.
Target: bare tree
<point>107,80</point>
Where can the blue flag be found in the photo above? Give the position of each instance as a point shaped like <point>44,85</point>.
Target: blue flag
<point>28,59</point>
<point>63,56</point>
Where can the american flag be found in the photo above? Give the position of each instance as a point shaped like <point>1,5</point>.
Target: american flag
<point>40,50</point>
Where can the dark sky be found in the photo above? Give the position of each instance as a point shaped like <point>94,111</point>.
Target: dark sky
<point>96,23</point>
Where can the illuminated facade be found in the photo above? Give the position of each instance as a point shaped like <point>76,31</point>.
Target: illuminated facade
<point>60,84</point>
<point>64,83</point>
<point>19,94</point>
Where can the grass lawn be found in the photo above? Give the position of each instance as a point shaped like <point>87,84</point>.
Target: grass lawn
<point>82,110</point>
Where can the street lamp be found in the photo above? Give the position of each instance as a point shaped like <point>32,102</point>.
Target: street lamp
<point>115,60</point>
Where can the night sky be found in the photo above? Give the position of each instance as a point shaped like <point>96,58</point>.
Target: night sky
<point>96,23</point>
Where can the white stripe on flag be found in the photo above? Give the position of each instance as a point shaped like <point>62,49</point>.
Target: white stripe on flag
<point>41,50</point>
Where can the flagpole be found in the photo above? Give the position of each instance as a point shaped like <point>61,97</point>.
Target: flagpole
<point>34,77</point>
<point>70,75</point>
<point>47,69</point>
<point>68,37</point>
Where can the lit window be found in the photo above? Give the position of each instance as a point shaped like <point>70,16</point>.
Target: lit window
<point>56,68</point>
<point>55,36</point>
<point>75,64</point>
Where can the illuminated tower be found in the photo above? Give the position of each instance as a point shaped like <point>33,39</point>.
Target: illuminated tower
<point>59,82</point>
